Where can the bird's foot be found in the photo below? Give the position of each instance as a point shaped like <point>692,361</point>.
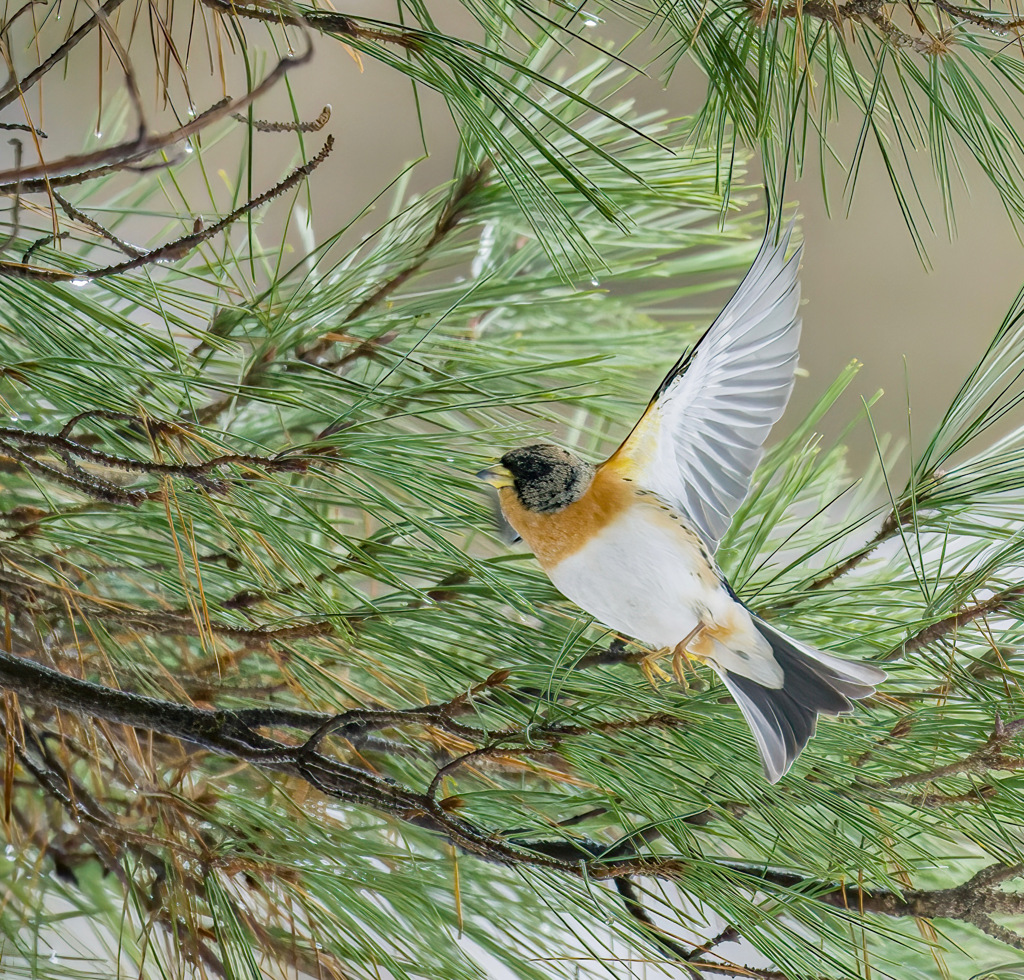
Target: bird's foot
<point>650,668</point>
<point>681,661</point>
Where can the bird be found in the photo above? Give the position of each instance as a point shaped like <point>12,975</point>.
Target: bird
<point>632,540</point>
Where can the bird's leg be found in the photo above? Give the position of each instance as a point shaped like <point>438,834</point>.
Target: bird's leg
<point>681,657</point>
<point>649,664</point>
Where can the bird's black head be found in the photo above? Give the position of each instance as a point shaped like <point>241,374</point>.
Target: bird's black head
<point>546,478</point>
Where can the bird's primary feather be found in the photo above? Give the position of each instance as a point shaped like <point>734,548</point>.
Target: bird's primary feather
<point>699,441</point>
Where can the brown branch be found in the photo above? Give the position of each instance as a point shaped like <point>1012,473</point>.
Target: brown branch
<point>886,531</point>
<point>145,144</point>
<point>98,828</point>
<point>324,21</point>
<point>451,214</point>
<point>21,591</point>
<point>873,12</point>
<point>6,26</point>
<point>226,734</point>
<point>72,212</point>
<point>748,972</point>
<point>22,447</point>
<point>18,87</point>
<point>980,19</point>
<point>41,242</point>
<point>952,624</point>
<point>180,246</point>
<point>263,126</point>
<point>985,759</point>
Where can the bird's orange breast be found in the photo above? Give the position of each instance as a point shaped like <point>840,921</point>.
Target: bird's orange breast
<point>553,537</point>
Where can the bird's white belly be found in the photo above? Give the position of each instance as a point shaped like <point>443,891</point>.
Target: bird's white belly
<point>643,575</point>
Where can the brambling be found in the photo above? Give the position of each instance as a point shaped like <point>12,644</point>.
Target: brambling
<point>632,541</point>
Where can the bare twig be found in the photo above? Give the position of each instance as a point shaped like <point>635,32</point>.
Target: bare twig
<point>18,87</point>
<point>264,126</point>
<point>22,446</point>
<point>144,144</point>
<point>72,212</point>
<point>41,243</point>
<point>180,246</point>
<point>23,128</point>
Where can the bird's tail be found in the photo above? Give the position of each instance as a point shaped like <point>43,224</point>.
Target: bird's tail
<point>814,683</point>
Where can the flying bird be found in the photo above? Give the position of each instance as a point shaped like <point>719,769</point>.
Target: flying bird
<point>632,540</point>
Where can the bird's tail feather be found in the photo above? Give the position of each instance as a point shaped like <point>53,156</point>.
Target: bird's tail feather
<point>783,719</point>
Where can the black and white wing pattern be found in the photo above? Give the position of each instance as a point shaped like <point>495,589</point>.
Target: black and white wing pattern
<point>699,441</point>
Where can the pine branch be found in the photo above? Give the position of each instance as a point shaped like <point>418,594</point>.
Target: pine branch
<point>224,732</point>
<point>78,167</point>
<point>21,447</point>
<point>997,603</point>
<point>448,219</point>
<point>173,250</point>
<point>983,760</point>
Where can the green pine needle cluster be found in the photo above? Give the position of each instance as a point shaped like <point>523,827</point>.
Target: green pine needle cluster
<point>242,479</point>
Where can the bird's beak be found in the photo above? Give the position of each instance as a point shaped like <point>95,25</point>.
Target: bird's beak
<point>496,476</point>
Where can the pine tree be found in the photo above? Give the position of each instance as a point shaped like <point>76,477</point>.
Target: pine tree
<point>278,700</point>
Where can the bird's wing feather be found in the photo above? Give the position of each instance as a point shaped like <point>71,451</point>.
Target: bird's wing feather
<point>700,439</point>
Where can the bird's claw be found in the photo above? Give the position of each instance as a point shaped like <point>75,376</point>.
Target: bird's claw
<point>651,670</point>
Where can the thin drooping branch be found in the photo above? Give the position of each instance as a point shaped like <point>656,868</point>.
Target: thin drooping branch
<point>172,250</point>
<point>17,87</point>
<point>82,218</point>
<point>145,144</point>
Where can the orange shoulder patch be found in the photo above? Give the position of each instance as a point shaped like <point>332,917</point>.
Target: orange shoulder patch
<point>638,450</point>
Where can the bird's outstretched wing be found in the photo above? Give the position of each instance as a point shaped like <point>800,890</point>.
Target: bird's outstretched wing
<point>700,439</point>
